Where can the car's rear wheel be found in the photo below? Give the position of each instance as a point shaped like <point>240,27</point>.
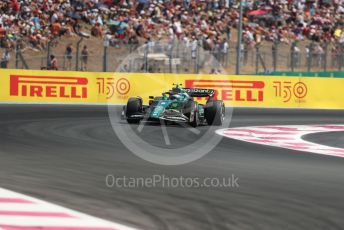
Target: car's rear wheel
<point>214,112</point>
<point>134,107</point>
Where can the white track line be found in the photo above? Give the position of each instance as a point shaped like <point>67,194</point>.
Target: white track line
<point>286,136</point>
<point>19,211</point>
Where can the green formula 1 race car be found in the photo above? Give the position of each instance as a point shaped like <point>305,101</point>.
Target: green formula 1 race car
<point>177,105</point>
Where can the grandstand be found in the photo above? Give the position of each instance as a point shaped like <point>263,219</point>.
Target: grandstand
<point>277,35</point>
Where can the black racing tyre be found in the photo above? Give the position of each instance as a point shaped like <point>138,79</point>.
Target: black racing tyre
<point>214,112</point>
<point>191,112</point>
<point>134,106</point>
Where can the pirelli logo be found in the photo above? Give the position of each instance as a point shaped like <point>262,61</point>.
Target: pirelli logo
<point>52,87</point>
<point>232,90</point>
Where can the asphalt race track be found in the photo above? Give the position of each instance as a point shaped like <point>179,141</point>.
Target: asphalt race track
<point>62,154</point>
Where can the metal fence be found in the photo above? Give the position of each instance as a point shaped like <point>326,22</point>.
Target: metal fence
<point>178,57</point>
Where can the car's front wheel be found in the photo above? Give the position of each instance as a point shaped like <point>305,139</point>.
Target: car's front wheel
<point>134,107</point>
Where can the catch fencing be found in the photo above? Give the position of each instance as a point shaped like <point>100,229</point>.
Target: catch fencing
<point>177,57</point>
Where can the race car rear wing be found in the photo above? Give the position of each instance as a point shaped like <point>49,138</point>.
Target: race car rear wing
<point>194,92</point>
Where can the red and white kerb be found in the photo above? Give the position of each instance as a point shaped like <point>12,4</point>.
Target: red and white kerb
<point>288,137</point>
<point>20,212</point>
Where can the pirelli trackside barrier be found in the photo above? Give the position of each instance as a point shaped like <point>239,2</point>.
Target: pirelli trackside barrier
<point>18,86</point>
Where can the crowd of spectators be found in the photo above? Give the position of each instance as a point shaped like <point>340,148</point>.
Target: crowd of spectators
<point>33,23</point>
